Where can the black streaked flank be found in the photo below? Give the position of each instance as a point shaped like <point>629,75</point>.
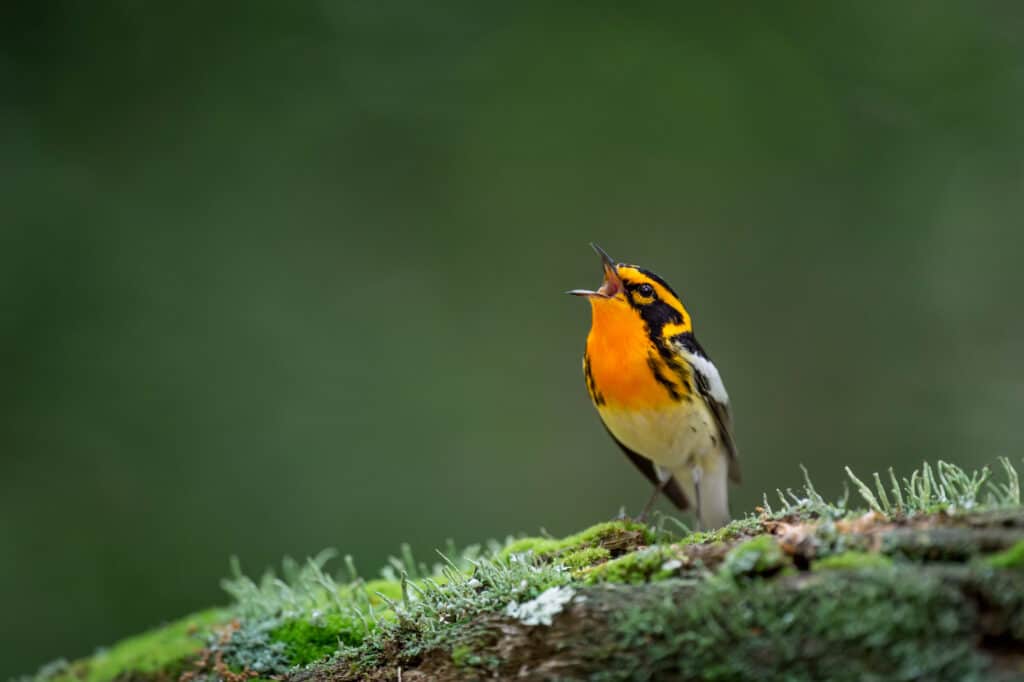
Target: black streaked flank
<point>673,361</point>
<point>723,419</point>
<point>656,368</point>
<point>702,383</point>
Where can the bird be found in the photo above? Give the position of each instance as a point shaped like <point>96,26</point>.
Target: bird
<point>657,392</point>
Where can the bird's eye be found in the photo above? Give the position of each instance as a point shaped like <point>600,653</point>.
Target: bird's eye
<point>645,290</point>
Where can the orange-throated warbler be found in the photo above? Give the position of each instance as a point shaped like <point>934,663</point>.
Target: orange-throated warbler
<point>658,393</point>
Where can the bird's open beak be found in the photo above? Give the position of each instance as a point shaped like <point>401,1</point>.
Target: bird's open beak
<point>612,284</point>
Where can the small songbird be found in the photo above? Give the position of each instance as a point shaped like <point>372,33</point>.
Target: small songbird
<point>658,393</point>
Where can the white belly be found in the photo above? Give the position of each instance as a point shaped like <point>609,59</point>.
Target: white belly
<point>676,436</point>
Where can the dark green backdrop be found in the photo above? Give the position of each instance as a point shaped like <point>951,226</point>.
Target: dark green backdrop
<point>281,276</point>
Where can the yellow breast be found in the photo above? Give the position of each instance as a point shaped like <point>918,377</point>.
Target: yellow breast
<point>672,436</point>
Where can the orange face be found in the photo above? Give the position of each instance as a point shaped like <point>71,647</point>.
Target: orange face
<point>634,314</point>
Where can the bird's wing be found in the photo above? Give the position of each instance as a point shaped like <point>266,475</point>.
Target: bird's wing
<point>671,488</point>
<point>709,384</point>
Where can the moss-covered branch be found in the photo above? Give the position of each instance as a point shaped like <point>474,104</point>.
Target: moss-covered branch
<point>927,582</point>
<point>849,623</point>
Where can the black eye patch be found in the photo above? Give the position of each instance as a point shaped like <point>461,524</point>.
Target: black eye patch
<point>645,290</point>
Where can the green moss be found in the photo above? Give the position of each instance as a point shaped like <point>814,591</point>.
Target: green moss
<point>392,589</point>
<point>461,655</point>
<point>472,648</point>
<point>749,525</point>
<point>159,650</point>
<point>852,560</point>
<point>761,554</point>
<point>597,535</point>
<point>899,624</point>
<point>1010,558</point>
<point>308,642</point>
<point>635,568</point>
<point>588,556</point>
<point>528,544</point>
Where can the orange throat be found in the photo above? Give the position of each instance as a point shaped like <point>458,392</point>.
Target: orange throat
<point>618,363</point>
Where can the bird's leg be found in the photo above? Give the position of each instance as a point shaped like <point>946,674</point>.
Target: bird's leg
<point>664,479</point>
<point>697,473</point>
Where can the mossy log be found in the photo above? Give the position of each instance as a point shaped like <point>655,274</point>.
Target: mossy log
<point>935,599</point>
<point>949,623</point>
<point>929,587</point>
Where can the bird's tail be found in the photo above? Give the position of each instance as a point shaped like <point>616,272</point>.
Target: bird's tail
<point>713,496</point>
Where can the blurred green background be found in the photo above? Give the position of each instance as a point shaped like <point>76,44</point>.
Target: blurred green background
<point>275,277</point>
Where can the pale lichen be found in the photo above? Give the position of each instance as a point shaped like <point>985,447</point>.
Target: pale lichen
<point>543,608</point>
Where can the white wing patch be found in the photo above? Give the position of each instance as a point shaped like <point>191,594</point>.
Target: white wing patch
<point>716,389</point>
